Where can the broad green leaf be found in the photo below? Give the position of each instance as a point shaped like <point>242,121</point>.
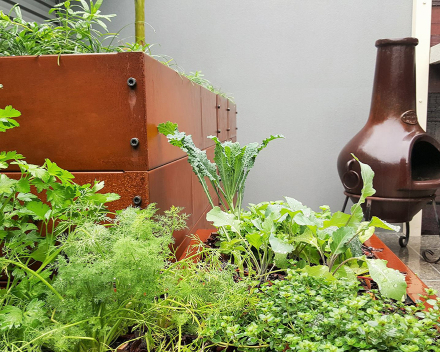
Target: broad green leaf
<point>295,205</point>
<point>346,272</point>
<point>301,219</point>
<point>167,128</point>
<point>338,219</point>
<point>54,170</point>
<point>5,156</point>
<point>340,239</point>
<point>255,239</point>
<point>23,186</point>
<point>281,261</point>
<point>367,191</point>
<point>319,271</point>
<point>366,234</point>
<point>7,118</point>
<point>307,237</point>
<point>220,218</point>
<point>376,222</point>
<point>391,282</point>
<point>268,224</point>
<point>38,209</point>
<point>6,184</point>
<point>279,246</point>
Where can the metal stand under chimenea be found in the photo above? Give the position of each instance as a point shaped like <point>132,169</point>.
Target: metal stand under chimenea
<point>403,240</point>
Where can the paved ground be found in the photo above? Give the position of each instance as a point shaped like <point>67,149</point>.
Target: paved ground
<point>412,255</point>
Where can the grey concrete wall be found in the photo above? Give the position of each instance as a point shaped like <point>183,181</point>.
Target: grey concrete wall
<point>300,68</point>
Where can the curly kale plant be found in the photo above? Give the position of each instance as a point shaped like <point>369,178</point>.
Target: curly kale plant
<point>230,169</point>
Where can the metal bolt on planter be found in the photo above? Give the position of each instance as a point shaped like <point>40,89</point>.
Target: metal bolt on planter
<point>134,142</point>
<point>131,82</point>
<point>218,106</point>
<point>228,109</point>
<point>137,200</point>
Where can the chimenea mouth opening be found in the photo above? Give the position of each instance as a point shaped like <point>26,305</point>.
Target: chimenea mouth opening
<point>425,162</point>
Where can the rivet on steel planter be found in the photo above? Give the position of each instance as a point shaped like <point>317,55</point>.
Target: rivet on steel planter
<point>131,82</point>
<point>137,200</point>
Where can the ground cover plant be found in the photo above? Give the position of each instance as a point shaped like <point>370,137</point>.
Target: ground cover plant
<point>78,27</point>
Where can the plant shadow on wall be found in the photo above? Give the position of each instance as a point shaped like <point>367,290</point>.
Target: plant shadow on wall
<point>78,27</point>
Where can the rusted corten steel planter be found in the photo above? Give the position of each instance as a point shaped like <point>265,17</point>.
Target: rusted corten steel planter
<point>96,115</point>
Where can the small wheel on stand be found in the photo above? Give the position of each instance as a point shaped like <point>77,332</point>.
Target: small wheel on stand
<point>403,240</point>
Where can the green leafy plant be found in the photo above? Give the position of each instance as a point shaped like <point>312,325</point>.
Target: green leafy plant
<point>191,291</point>
<point>310,314</point>
<point>107,275</point>
<point>331,243</point>
<point>230,169</point>
<point>30,228</point>
<point>79,27</point>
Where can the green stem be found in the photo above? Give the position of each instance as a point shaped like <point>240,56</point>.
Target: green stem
<point>139,6</point>
<point>345,261</point>
<point>30,271</point>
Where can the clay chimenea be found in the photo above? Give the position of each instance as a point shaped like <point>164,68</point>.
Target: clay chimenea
<point>405,160</point>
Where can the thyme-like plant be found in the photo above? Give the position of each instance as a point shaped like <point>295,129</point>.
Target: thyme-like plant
<point>310,314</point>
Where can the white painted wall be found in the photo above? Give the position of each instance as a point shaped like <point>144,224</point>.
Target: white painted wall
<point>300,68</point>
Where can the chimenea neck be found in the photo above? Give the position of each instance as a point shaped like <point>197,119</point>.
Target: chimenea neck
<point>394,89</point>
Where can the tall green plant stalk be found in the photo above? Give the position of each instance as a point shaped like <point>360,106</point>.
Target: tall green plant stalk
<point>139,9</point>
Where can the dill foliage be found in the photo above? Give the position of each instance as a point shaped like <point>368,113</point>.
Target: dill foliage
<point>107,275</point>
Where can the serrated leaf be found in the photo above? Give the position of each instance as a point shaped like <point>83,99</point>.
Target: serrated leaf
<point>23,186</point>
<point>391,282</point>
<point>6,184</point>
<point>10,317</point>
<point>167,128</point>
<point>38,209</point>
<point>281,261</point>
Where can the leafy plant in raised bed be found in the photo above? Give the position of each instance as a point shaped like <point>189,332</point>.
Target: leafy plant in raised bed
<point>78,27</point>
<point>107,276</point>
<point>331,243</point>
<point>312,314</point>
<point>266,235</point>
<point>30,229</point>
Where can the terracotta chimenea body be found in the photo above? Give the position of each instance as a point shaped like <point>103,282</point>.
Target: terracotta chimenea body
<point>405,159</point>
